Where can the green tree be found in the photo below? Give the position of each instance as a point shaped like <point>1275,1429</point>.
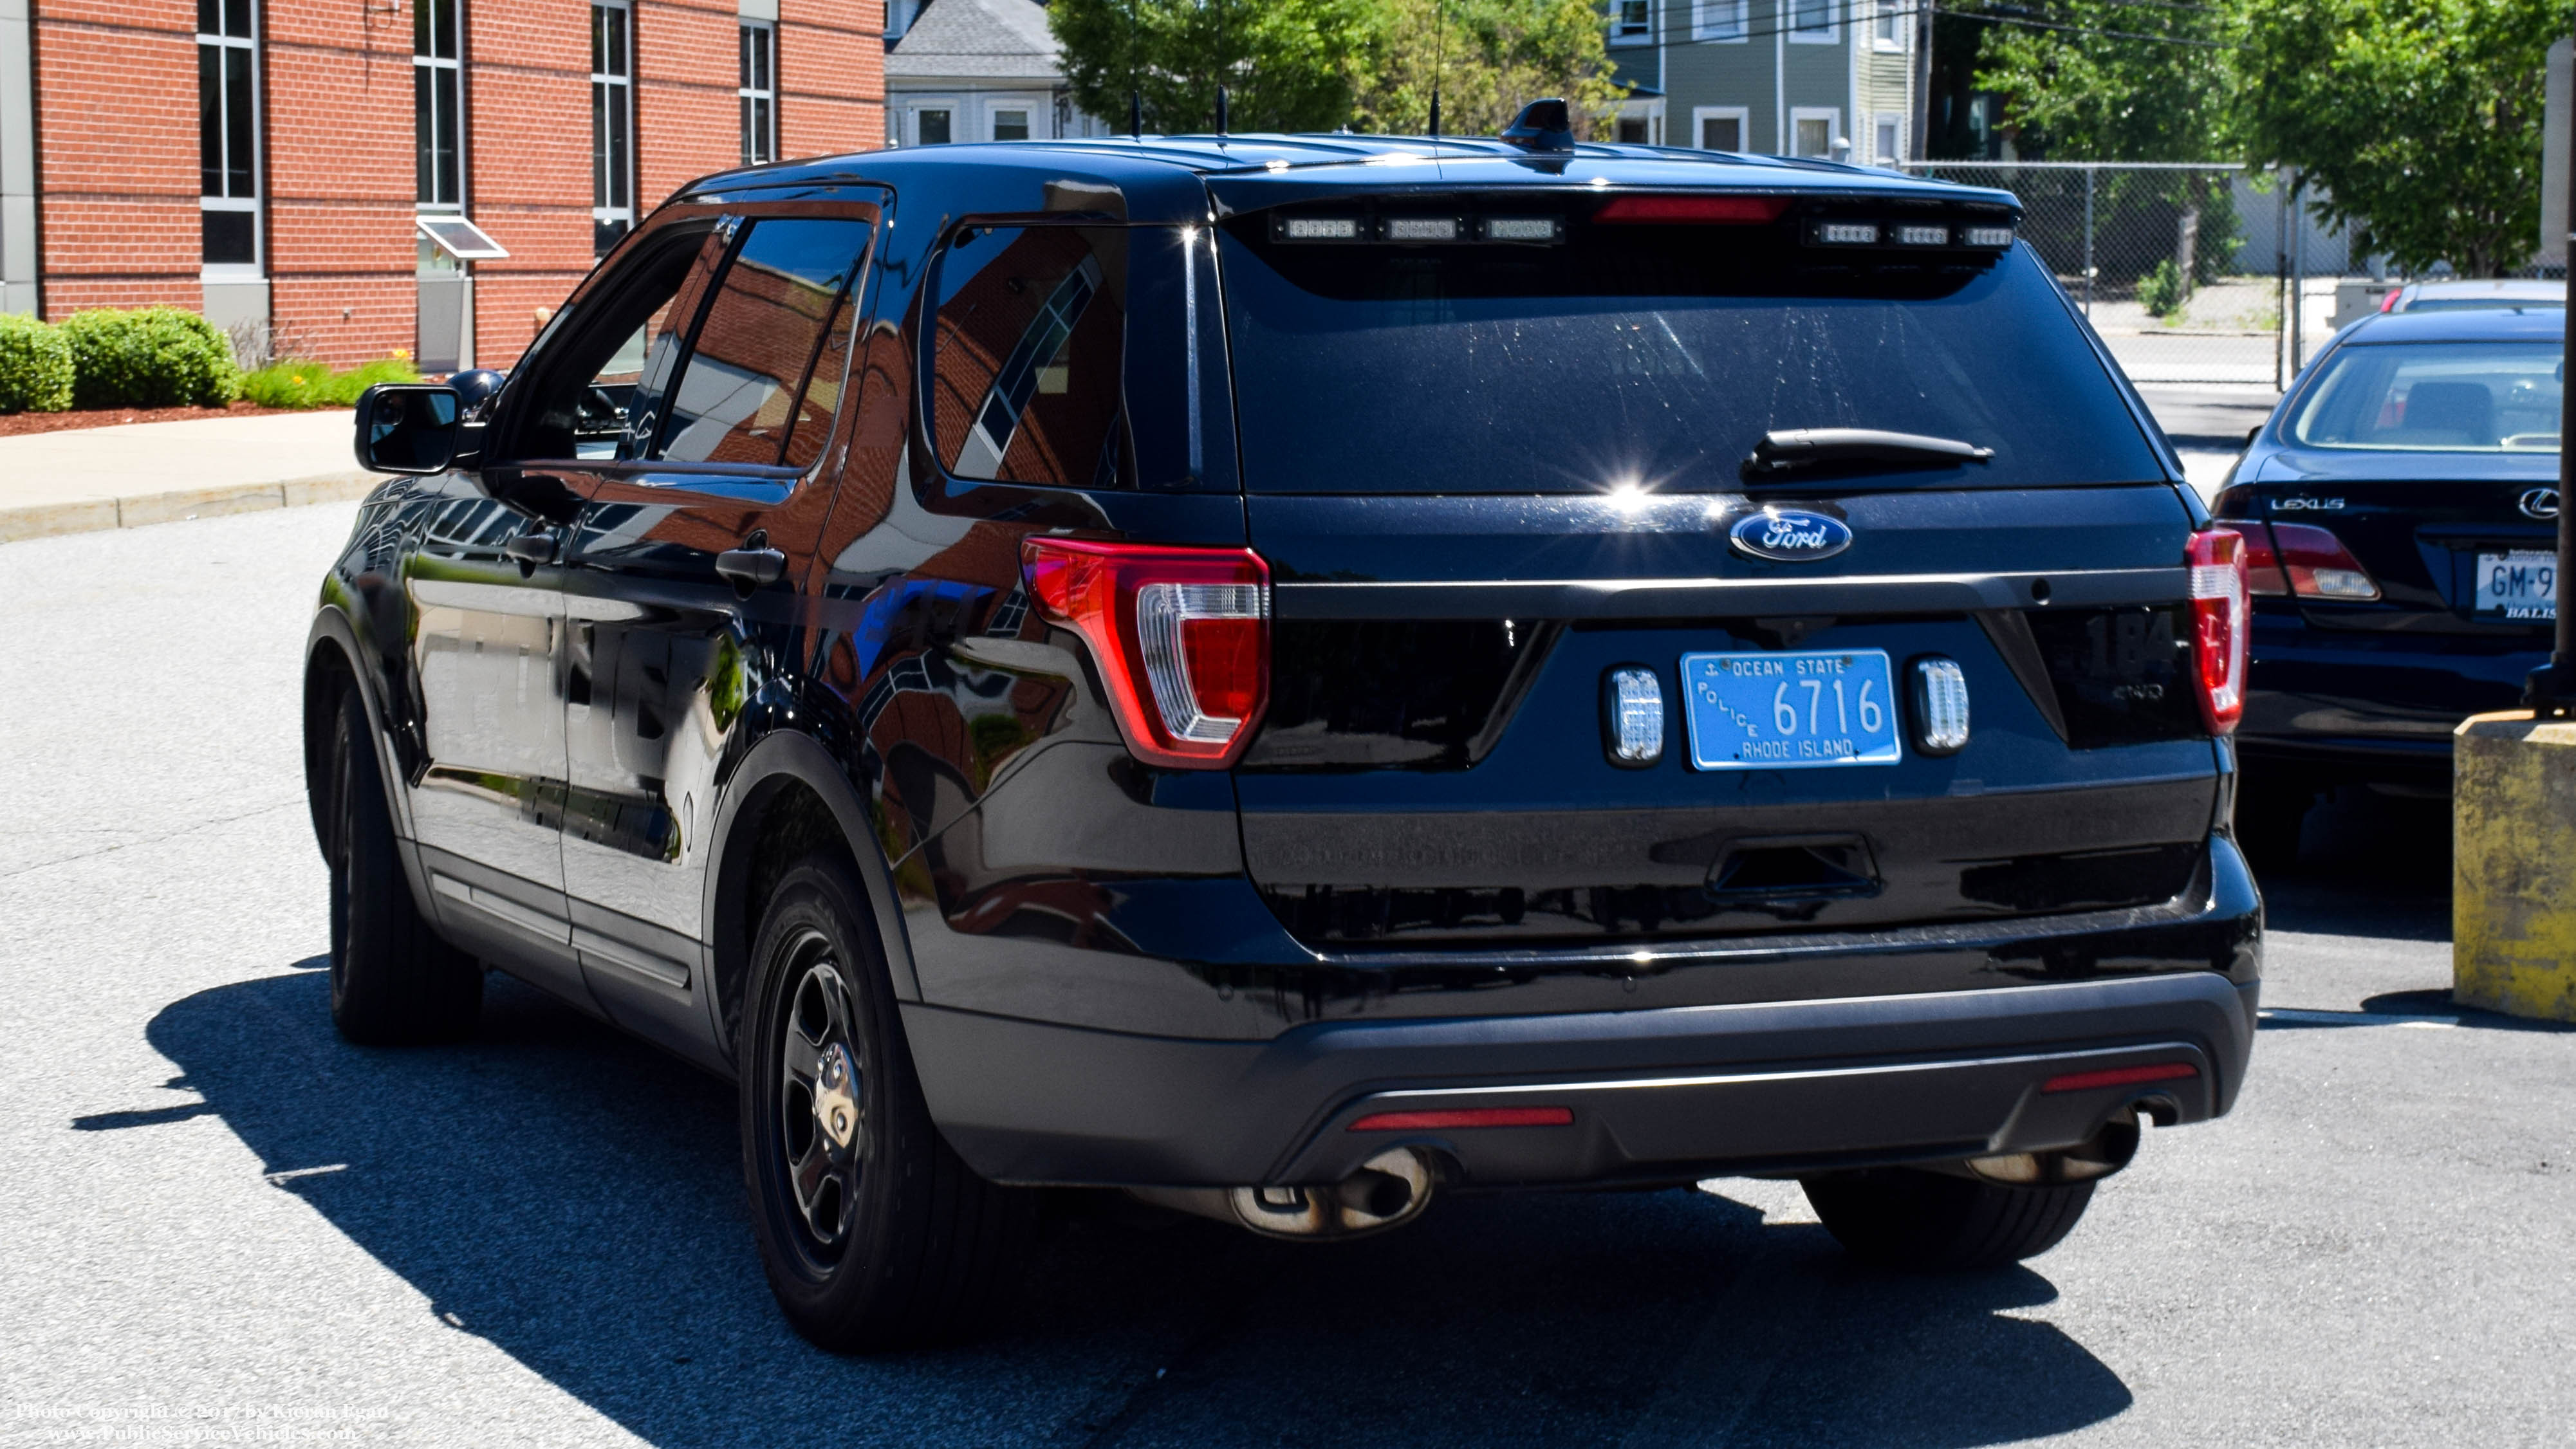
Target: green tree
<point>2420,118</point>
<point>1287,65</point>
<point>1490,57</point>
<point>2122,80</point>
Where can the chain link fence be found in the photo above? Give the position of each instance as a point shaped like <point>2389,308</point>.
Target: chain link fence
<point>2187,270</point>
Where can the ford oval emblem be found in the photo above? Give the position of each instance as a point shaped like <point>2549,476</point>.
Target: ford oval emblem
<point>1789,535</point>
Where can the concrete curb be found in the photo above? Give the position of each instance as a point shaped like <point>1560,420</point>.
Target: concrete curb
<point>45,520</point>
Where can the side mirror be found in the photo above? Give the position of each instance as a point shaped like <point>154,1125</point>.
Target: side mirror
<point>407,427</point>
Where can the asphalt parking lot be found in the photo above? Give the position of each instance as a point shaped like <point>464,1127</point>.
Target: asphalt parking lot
<point>219,1217</point>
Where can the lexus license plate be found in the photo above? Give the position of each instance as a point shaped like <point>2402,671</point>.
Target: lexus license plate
<point>2521,584</point>
<point>1790,711</point>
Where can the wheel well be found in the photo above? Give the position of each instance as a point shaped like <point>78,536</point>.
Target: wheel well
<point>785,822</point>
<point>327,678</point>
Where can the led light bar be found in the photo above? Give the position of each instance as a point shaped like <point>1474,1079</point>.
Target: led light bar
<point>1988,236</point>
<point>1923,236</point>
<point>1321,228</point>
<point>1847,233</point>
<point>1423,228</point>
<point>1542,230</point>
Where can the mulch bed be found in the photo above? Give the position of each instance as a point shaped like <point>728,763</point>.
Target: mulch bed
<point>18,424</point>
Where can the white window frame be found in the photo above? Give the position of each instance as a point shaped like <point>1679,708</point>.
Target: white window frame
<point>1741,115</point>
<point>1041,114</point>
<point>1832,116</point>
<point>256,268</point>
<point>1723,22</point>
<point>1829,33</point>
<point>1891,15</point>
<point>454,65</point>
<point>1889,125</point>
<point>913,106</point>
<point>1621,33</point>
<point>1649,111</point>
<point>604,209</point>
<point>749,95</point>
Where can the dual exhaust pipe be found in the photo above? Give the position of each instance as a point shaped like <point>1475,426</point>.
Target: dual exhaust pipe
<point>1387,1191</point>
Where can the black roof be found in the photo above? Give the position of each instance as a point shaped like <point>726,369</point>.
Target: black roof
<point>1264,170</point>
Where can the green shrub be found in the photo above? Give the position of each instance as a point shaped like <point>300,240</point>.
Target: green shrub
<point>154,357</point>
<point>2160,290</point>
<point>35,366</point>
<point>304,384</point>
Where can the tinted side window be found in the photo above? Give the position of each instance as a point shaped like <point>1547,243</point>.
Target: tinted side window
<point>585,394</point>
<point>781,301</point>
<point>1028,351</point>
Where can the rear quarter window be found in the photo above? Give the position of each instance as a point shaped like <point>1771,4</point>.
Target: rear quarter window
<point>1027,354</point>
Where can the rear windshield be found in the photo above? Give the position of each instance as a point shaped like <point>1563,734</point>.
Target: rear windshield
<point>2447,397</point>
<point>1653,356</point>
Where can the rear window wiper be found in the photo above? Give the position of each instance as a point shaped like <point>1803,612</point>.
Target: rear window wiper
<point>1784,449</point>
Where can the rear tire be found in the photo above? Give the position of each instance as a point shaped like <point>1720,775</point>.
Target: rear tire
<point>874,1234</point>
<point>1899,1217</point>
<point>393,981</point>
<point>2271,815</point>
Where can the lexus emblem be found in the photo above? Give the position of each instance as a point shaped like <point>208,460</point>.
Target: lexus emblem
<point>2538,503</point>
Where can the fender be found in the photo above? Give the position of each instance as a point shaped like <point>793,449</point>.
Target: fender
<point>781,756</point>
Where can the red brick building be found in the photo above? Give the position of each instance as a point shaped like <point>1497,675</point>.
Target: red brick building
<point>299,163</point>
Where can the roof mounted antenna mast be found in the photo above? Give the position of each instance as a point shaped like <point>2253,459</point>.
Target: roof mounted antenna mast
<point>1439,36</point>
<point>1220,67</point>
<point>1135,95</point>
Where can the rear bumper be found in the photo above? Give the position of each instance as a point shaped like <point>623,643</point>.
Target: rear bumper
<point>2371,706</point>
<point>1665,1094</point>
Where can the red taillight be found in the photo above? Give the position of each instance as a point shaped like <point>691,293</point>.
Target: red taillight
<point>2120,1077</point>
<point>1464,1117</point>
<point>1181,635</point>
<point>2314,562</point>
<point>2219,615</point>
<point>1703,210</point>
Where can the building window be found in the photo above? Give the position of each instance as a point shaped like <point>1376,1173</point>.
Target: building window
<point>612,123</point>
<point>1721,128</point>
<point>227,134</point>
<point>1884,143</point>
<point>1631,22</point>
<point>1812,21</point>
<point>1887,25</point>
<point>1010,125</point>
<point>1812,132</point>
<point>759,92</point>
<point>1721,19</point>
<point>930,128</point>
<point>437,103</point>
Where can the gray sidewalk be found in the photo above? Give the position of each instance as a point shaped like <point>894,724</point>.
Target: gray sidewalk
<point>138,473</point>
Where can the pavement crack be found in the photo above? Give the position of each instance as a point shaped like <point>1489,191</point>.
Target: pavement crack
<point>150,840</point>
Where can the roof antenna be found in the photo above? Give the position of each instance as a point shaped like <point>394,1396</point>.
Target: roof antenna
<point>1136,115</point>
<point>1222,65</point>
<point>1439,35</point>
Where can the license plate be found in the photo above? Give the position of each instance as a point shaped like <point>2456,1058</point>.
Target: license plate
<point>2521,584</point>
<point>1790,711</point>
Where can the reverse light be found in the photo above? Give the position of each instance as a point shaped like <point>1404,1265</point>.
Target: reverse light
<point>2219,616</point>
<point>1938,689</point>
<point>1702,210</point>
<point>1632,715</point>
<point>2307,561</point>
<point>1464,1117</point>
<point>1181,636</point>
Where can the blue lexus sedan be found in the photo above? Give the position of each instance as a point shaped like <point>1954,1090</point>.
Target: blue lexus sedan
<point>2401,505</point>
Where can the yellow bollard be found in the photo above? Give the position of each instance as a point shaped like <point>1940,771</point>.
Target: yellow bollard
<point>2513,865</point>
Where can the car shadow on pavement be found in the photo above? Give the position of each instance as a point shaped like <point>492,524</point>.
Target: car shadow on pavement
<point>574,1198</point>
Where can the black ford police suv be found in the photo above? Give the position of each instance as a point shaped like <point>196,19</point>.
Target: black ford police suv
<point>1290,676</point>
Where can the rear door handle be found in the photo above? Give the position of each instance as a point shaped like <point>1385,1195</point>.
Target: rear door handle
<point>751,568</point>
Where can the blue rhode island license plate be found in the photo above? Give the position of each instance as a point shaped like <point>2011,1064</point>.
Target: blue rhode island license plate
<point>1790,711</point>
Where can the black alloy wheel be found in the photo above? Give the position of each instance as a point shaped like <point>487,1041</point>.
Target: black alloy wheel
<point>873,1233</point>
<point>393,981</point>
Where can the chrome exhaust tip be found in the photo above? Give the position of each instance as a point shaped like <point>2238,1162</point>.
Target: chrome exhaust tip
<point>1387,1191</point>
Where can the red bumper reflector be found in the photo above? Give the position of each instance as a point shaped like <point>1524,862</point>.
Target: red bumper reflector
<point>2120,1077</point>
<point>1465,1117</point>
